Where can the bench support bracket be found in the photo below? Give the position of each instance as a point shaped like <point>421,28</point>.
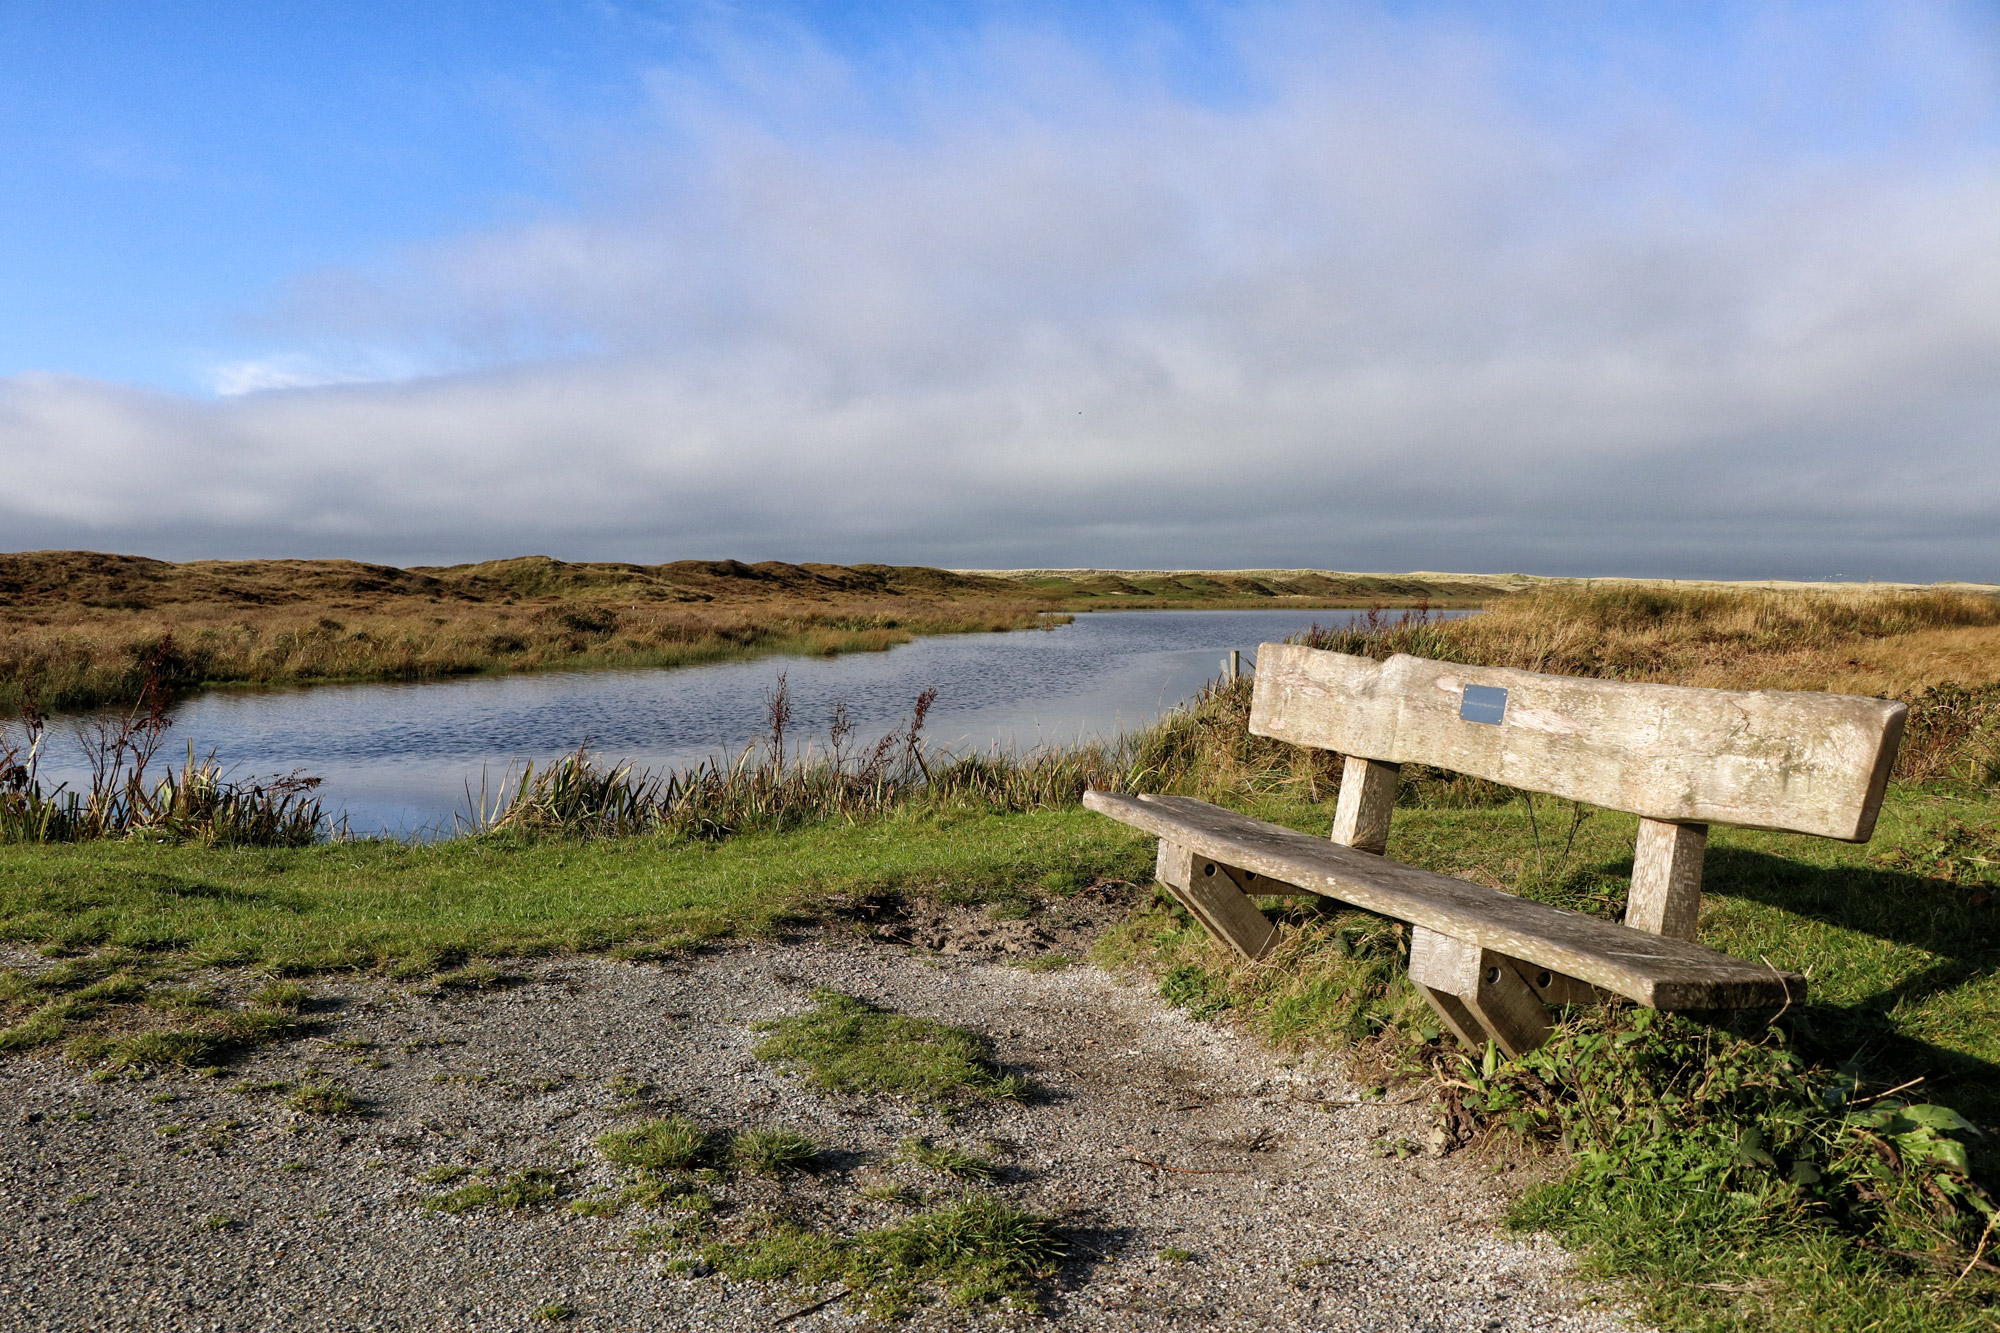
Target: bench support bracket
<point>1481,995</point>
<point>1217,896</point>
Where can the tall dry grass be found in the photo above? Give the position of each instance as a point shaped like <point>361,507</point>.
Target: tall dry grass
<point>1847,642</point>
<point>76,659</point>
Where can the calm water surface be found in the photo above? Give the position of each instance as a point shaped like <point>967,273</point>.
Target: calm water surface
<point>399,759</point>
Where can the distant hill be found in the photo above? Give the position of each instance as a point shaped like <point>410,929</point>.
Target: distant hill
<point>1075,588</point>
<point>1202,587</point>
<point>45,579</point>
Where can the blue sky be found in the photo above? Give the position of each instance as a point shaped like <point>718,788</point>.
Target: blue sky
<point>1682,290</point>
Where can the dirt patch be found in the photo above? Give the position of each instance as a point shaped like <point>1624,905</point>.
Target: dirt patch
<point>1198,1182</point>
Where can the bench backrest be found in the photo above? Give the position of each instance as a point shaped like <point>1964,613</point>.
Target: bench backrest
<point>1772,759</point>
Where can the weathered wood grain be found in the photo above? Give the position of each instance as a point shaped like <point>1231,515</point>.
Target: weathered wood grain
<point>1367,800</point>
<point>1554,989</point>
<point>1440,967</point>
<point>1513,1014</point>
<point>1654,970</point>
<point>1666,878</point>
<point>1806,763</point>
<point>1207,889</point>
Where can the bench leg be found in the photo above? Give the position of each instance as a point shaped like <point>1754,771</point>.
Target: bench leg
<point>1214,894</point>
<point>1478,993</point>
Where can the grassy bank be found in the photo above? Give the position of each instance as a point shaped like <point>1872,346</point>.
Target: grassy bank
<point>1848,642</point>
<point>79,666</point>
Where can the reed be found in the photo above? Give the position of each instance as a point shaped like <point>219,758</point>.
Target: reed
<point>771,785</point>
<point>198,802</point>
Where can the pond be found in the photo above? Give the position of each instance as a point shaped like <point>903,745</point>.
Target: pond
<point>403,759</point>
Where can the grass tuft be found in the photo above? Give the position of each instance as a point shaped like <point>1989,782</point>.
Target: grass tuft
<point>977,1251</point>
<point>844,1044</point>
<point>671,1144</point>
<point>520,1190</point>
<point>774,1152</point>
<point>288,996</point>
<point>948,1159</point>
<point>325,1098</point>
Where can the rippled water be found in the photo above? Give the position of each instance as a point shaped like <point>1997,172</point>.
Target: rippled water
<point>399,758</point>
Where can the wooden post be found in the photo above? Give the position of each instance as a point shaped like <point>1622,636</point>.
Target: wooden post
<point>1514,1014</point>
<point>1666,878</point>
<point>1367,799</point>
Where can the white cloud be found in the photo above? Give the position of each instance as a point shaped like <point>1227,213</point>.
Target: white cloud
<point>1384,313</point>
<point>285,370</point>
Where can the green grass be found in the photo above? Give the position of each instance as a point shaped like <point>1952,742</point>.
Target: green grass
<point>672,1144</point>
<point>773,1152</point>
<point>949,1159</point>
<point>975,1251</point>
<point>514,1192</point>
<point>94,1004</point>
<point>426,909</point>
<point>844,1044</point>
<point>322,1097</point>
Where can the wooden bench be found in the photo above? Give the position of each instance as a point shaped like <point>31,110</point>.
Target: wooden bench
<point>1490,963</point>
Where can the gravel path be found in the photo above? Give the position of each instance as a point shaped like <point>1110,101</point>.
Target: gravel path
<point>176,1203</point>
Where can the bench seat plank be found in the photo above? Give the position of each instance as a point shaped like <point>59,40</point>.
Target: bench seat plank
<point>1654,970</point>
